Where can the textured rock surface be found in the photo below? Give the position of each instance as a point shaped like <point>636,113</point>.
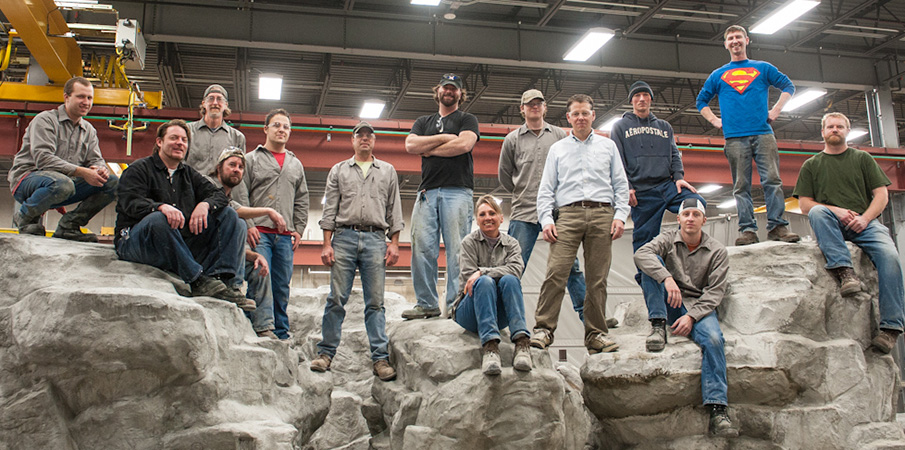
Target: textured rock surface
<point>800,372</point>
<point>100,353</point>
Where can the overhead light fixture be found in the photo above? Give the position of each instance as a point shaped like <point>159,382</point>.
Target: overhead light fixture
<point>708,188</point>
<point>804,98</point>
<point>270,86</point>
<point>608,125</point>
<point>450,16</point>
<point>498,200</point>
<point>783,16</point>
<point>426,2</point>
<point>371,109</point>
<point>324,200</point>
<point>855,134</point>
<point>589,44</point>
<point>727,204</point>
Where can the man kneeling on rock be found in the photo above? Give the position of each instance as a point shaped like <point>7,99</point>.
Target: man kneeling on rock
<point>154,197</point>
<point>693,268</point>
<point>843,191</point>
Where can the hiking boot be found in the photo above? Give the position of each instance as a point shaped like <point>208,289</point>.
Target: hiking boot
<point>35,229</point>
<point>747,238</point>
<point>720,423</point>
<point>601,344</point>
<point>490,361</point>
<point>782,233</point>
<point>382,369</point>
<point>521,360</point>
<point>206,286</point>
<point>612,322</point>
<point>656,340</point>
<point>74,234</point>
<point>542,339</point>
<point>321,363</point>
<point>267,334</point>
<point>885,340</point>
<point>420,312</point>
<point>849,284</point>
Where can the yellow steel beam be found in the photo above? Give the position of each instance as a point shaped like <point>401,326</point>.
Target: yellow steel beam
<point>21,92</point>
<point>41,26</point>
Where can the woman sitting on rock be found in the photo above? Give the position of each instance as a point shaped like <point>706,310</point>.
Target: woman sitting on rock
<point>490,293</point>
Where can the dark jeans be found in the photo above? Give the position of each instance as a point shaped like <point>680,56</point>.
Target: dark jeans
<point>43,190</point>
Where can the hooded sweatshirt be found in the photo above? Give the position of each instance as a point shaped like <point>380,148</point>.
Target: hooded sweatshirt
<point>648,150</point>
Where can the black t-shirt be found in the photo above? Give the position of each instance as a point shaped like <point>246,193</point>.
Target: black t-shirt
<point>454,171</point>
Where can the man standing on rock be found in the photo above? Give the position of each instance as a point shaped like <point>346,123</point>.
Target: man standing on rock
<point>655,175</point>
<point>583,177</point>
<point>275,178</point>
<point>743,87</point>
<point>444,205</point>
<point>361,210</point>
<point>843,191</point>
<point>59,164</point>
<point>693,268</point>
<point>211,134</point>
<point>171,217</point>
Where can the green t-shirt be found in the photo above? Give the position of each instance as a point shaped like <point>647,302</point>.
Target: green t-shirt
<point>364,167</point>
<point>845,180</point>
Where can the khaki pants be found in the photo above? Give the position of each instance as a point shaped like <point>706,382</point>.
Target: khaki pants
<point>578,225</point>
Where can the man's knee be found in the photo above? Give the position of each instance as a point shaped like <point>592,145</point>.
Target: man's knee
<point>509,281</point>
<point>820,213</point>
<point>484,282</point>
<point>111,184</point>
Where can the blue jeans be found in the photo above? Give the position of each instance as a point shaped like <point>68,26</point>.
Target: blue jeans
<point>43,190</point>
<point>447,211</point>
<point>212,252</point>
<point>876,242</point>
<point>762,150</point>
<point>492,306</point>
<point>277,250</point>
<point>260,291</point>
<point>526,234</point>
<point>365,251</point>
<point>647,217</point>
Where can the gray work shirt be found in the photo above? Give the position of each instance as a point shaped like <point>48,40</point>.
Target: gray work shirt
<point>53,142</point>
<point>522,166</point>
<point>355,199</point>
<point>266,185</point>
<point>505,258</point>
<point>207,144</point>
<point>701,275</point>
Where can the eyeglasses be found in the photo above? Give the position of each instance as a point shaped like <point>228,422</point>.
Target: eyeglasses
<point>439,124</point>
<point>215,99</point>
<point>364,134</point>
<point>277,125</point>
<point>451,77</point>
<point>534,104</point>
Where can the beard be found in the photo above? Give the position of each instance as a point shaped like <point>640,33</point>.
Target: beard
<point>448,100</point>
<point>230,182</point>
<point>835,139</point>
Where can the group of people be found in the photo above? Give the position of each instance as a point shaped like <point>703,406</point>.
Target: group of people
<point>179,209</point>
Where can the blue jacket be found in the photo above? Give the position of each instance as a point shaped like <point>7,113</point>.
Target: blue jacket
<point>648,149</point>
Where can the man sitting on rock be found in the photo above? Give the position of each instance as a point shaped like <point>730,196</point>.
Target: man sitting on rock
<point>154,197</point>
<point>843,191</point>
<point>693,268</point>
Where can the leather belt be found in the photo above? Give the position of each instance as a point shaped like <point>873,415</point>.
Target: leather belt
<point>367,228</point>
<point>589,204</point>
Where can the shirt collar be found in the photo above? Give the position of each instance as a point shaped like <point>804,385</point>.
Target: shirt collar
<point>62,116</point>
<point>158,163</point>
<point>589,140</point>
<point>705,240</point>
<point>524,128</point>
<point>374,162</point>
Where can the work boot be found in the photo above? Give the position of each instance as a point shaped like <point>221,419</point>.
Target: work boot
<point>600,343</point>
<point>720,423</point>
<point>849,284</point>
<point>267,334</point>
<point>74,234</point>
<point>420,312</point>
<point>656,340</point>
<point>521,360</point>
<point>206,286</point>
<point>490,361</point>
<point>542,339</point>
<point>782,233</point>
<point>28,226</point>
<point>321,363</point>
<point>885,340</point>
<point>384,371</point>
<point>747,238</point>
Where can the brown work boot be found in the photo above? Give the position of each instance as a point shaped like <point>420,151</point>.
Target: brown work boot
<point>521,359</point>
<point>490,359</point>
<point>384,371</point>
<point>782,233</point>
<point>849,284</point>
<point>321,363</point>
<point>600,343</point>
<point>747,238</point>
<point>267,334</point>
<point>885,340</point>
<point>542,339</point>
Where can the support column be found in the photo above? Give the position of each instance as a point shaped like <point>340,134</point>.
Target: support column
<point>881,115</point>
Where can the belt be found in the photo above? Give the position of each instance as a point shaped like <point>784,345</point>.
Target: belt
<point>589,204</point>
<point>367,228</point>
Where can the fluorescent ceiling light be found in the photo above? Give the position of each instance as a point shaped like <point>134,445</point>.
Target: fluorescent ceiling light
<point>371,109</point>
<point>783,16</point>
<point>855,134</point>
<point>426,2</point>
<point>804,98</point>
<point>498,200</point>
<point>727,204</point>
<point>270,86</point>
<point>589,44</point>
<point>608,125</point>
<point>708,188</point>
<point>324,200</point>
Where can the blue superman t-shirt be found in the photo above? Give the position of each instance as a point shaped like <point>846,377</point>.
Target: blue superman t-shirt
<point>743,91</point>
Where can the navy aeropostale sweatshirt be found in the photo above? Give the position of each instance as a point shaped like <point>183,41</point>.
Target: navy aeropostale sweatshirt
<point>648,149</point>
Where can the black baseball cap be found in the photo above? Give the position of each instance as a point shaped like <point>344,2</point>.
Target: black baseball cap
<point>451,78</point>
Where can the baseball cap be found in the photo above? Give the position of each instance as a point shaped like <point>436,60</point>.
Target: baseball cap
<point>229,152</point>
<point>451,78</point>
<point>532,94</point>
<point>362,125</point>
<point>218,89</point>
<point>639,86</point>
<point>692,203</point>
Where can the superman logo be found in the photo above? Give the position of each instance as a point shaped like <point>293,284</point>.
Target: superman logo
<point>740,78</point>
